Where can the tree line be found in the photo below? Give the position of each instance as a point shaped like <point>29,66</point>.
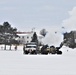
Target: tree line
<point>8,35</point>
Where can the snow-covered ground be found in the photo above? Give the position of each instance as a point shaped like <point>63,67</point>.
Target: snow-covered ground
<point>15,63</point>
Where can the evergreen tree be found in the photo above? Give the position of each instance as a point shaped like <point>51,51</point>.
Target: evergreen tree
<point>8,34</point>
<point>34,38</point>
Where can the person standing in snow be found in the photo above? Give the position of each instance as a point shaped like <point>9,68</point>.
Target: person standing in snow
<point>15,47</point>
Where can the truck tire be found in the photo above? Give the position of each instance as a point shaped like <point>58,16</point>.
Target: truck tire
<point>25,52</point>
<point>33,52</point>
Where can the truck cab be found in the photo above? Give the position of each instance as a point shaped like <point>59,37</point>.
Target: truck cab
<point>30,48</point>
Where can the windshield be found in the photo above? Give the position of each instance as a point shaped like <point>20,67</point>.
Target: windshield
<point>30,46</point>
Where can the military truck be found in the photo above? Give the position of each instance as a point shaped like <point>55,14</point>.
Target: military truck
<point>30,48</point>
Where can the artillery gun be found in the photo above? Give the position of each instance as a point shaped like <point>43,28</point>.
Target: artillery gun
<point>52,49</point>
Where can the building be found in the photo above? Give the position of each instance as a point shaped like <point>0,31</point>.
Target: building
<point>26,37</point>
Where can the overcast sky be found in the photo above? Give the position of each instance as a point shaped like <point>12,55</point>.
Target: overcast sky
<point>26,14</point>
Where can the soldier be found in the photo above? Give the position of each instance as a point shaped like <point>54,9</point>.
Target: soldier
<point>15,47</point>
<point>23,48</point>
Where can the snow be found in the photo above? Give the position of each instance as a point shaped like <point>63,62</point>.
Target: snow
<point>16,63</point>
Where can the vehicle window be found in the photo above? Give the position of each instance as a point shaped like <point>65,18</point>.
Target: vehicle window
<point>30,46</point>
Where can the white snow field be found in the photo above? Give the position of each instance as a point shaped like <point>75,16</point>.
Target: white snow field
<point>16,63</point>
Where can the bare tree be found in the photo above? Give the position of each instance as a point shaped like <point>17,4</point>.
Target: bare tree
<point>43,32</point>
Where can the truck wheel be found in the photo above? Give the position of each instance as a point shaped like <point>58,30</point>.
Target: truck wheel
<point>25,52</point>
<point>33,52</point>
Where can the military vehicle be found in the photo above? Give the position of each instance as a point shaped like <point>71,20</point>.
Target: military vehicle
<point>30,48</point>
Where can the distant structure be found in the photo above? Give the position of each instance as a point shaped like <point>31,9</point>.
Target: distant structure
<point>26,37</point>
<point>70,39</point>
